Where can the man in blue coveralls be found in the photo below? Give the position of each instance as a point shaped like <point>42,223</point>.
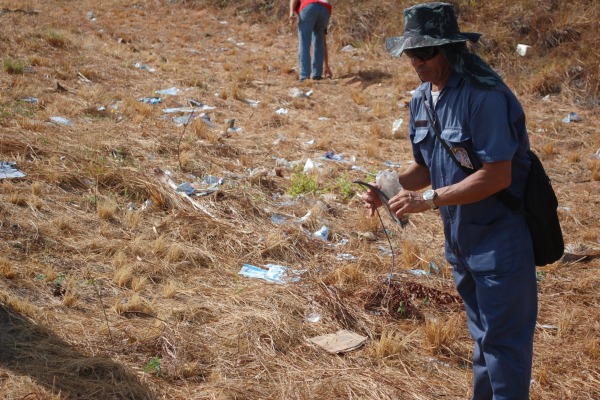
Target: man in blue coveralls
<point>488,245</point>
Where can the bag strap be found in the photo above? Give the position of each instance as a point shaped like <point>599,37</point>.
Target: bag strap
<point>507,198</point>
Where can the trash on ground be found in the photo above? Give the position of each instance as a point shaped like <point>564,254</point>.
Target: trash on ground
<point>322,233</point>
<point>184,119</point>
<point>396,126</point>
<point>144,67</point>
<point>278,219</point>
<point>91,16</point>
<point>31,100</point>
<point>417,272</point>
<point>273,273</point>
<point>282,111</point>
<point>359,168</point>
<point>232,40</point>
<point>574,253</point>
<point>252,103</point>
<point>8,170</point>
<point>186,188</point>
<point>173,91</point>
<point>523,49</point>
<point>572,117</point>
<point>61,120</point>
<point>392,164</point>
<point>349,48</point>
<point>313,317</point>
<point>546,326</point>
<point>212,180</point>
<point>298,93</point>
<point>432,268</point>
<point>339,342</point>
<point>596,154</point>
<point>346,257</point>
<point>150,100</point>
<point>330,155</point>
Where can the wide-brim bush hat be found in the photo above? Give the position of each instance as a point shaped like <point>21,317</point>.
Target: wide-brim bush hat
<point>426,25</point>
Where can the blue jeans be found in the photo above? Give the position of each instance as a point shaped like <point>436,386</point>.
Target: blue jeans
<point>312,25</point>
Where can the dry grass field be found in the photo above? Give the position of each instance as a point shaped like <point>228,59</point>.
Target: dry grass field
<point>115,285</point>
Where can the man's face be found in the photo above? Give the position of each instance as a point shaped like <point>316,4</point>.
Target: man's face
<point>430,64</point>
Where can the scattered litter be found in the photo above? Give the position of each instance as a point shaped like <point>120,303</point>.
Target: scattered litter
<point>212,180</point>
<point>179,110</point>
<point>232,40</point>
<point>392,164</point>
<point>322,233</point>
<point>330,155</point>
<point>523,49</point>
<point>313,317</point>
<point>309,165</point>
<point>572,117</point>
<point>349,48</point>
<point>418,272</point>
<point>346,257</point>
<point>323,119</point>
<point>436,361</point>
<point>184,119</point>
<point>252,103</point>
<point>432,268</point>
<point>206,119</point>
<point>359,168</point>
<point>305,217</point>
<point>563,208</point>
<point>8,170</point>
<point>298,93</point>
<point>546,326</point>
<point>144,66</point>
<point>278,219</point>
<point>396,126</point>
<point>312,141</point>
<point>186,188</point>
<point>546,98</point>
<point>170,91</point>
<point>91,16</point>
<point>150,100</point>
<point>32,100</point>
<point>282,111</point>
<point>274,273</point>
<point>61,120</point>
<point>578,252</point>
<point>339,342</point>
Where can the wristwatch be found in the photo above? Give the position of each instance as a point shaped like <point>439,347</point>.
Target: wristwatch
<point>428,196</point>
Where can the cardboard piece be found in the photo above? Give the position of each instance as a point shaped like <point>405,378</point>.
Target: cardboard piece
<point>339,342</point>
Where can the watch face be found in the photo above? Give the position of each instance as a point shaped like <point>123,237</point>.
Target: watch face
<point>429,194</point>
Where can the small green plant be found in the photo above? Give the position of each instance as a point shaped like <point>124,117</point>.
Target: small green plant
<point>13,67</point>
<point>153,366</point>
<point>345,187</point>
<point>402,310</point>
<point>55,39</point>
<point>302,183</point>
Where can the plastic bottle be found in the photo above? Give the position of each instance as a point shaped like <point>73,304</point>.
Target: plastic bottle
<point>389,183</point>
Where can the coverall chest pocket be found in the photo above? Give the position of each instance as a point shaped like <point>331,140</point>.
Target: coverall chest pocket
<point>461,144</point>
<point>425,145</point>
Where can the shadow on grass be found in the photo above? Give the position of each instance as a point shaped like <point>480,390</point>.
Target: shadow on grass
<point>31,350</point>
<point>367,78</point>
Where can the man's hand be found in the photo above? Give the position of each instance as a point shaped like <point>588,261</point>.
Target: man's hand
<point>407,202</point>
<point>371,200</point>
<point>327,72</point>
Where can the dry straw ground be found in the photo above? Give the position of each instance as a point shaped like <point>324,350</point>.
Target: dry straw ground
<point>114,286</point>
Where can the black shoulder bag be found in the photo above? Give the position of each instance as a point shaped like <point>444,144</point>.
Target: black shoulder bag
<point>540,203</point>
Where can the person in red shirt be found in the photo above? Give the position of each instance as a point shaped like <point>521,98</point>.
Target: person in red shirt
<point>313,18</point>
